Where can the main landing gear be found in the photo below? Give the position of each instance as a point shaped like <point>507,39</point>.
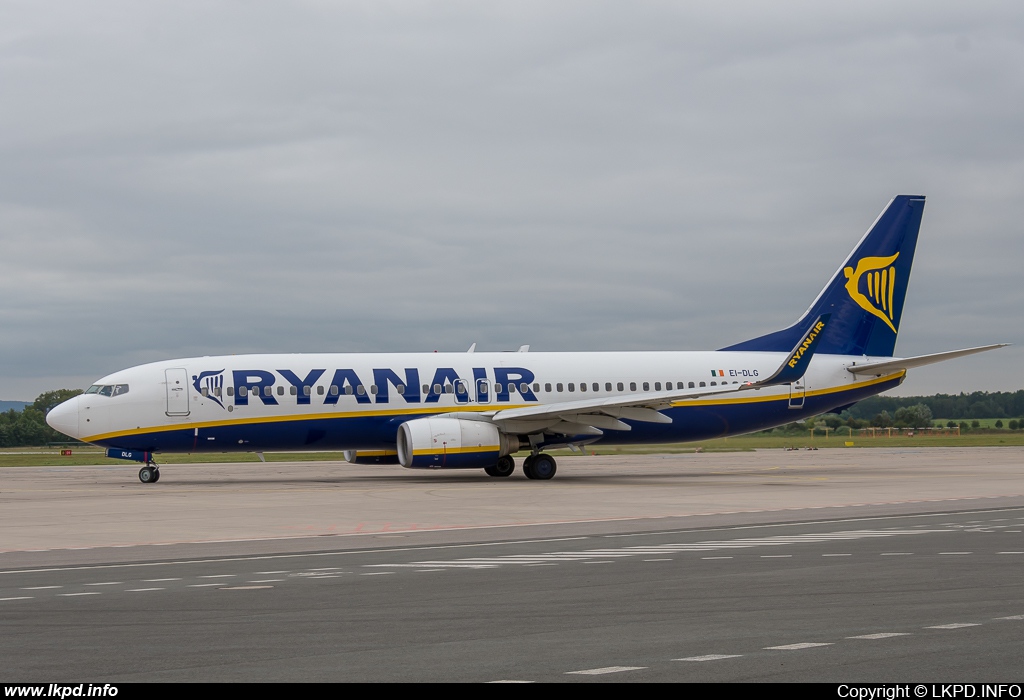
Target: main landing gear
<point>505,466</point>
<point>149,474</point>
<point>541,467</point>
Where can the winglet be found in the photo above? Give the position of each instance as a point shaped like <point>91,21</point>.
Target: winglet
<point>800,357</point>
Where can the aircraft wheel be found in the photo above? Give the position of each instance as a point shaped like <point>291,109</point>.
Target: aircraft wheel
<point>156,475</point>
<point>505,466</point>
<point>542,468</point>
<point>148,475</point>
<point>528,467</point>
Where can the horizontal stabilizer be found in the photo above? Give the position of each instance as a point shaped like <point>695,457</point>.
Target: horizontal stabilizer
<point>920,361</point>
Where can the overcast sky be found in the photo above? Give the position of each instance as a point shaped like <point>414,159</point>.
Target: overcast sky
<point>200,178</point>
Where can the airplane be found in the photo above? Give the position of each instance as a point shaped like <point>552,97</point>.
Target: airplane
<point>475,410</point>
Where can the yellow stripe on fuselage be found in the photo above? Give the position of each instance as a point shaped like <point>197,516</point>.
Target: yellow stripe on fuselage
<point>785,397</point>
<point>479,408</point>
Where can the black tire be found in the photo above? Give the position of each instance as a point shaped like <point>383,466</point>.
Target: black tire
<point>505,466</point>
<point>543,467</point>
<point>156,475</point>
<point>528,468</point>
<point>148,475</point>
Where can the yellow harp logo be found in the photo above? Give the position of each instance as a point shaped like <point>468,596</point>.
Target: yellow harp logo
<point>880,282</point>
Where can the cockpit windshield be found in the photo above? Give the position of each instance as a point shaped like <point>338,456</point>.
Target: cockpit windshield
<point>108,389</point>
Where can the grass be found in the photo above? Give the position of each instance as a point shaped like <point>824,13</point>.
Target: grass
<point>39,456</point>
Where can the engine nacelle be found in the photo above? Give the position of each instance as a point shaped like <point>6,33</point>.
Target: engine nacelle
<point>371,457</point>
<point>451,443</point>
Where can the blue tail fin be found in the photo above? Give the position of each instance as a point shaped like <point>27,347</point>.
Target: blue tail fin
<point>865,296</point>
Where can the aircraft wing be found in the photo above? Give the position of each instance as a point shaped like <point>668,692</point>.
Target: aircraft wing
<point>884,366</point>
<point>593,416</point>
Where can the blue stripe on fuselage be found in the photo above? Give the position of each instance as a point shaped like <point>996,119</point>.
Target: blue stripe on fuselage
<point>689,422</point>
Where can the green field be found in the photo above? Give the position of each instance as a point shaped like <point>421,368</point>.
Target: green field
<point>38,456</point>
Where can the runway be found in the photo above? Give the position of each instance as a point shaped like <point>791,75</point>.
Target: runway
<point>882,585</point>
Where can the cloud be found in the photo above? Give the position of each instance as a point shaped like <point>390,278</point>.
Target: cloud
<point>203,179</point>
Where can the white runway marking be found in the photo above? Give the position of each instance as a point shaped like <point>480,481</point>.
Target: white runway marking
<point>880,635</point>
<point>837,555</point>
<point>106,583</point>
<point>606,669</point>
<point>267,580</point>
<point>956,552</point>
<point>269,573</point>
<point>159,580</point>
<point>711,545</point>
<point>953,626</point>
<point>219,576</point>
<point>801,645</point>
<point>710,657</point>
<point>1011,617</point>
<point>897,554</point>
<point>202,585</point>
<point>776,556</point>
<point>658,560</point>
<point>70,595</point>
<point>242,588</point>
<point>377,573</point>
<point>39,588</point>
<point>1011,552</point>
<point>142,590</point>
<point>716,557</point>
<point>20,597</point>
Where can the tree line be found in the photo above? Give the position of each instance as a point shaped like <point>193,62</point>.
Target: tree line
<point>28,428</point>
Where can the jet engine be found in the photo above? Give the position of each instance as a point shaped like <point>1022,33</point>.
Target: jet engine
<point>452,443</point>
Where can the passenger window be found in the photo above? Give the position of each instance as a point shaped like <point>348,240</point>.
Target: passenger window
<point>400,388</point>
<point>348,389</point>
<point>558,388</point>
<point>306,391</point>
<point>426,388</point>
<point>691,385</point>
<point>511,388</point>
<point>536,387</point>
<point>294,391</point>
<point>361,390</point>
<point>583,386</point>
<point>460,389</point>
<point>632,386</point>
<point>619,386</point>
<point>714,383</point>
<point>320,391</point>
<point>481,387</point>
<point>703,384</point>
<point>373,389</point>
<point>595,386</point>
<point>437,388</point>
<point>524,388</point>
<point>647,386</point>
<point>204,391</point>
<point>243,390</point>
<point>607,386</point>
<point>572,387</point>
<point>268,390</point>
<point>280,391</point>
<point>497,387</point>
<point>547,387</point>
<point>334,389</point>
<point>657,386</point>
<point>216,391</point>
<point>231,391</point>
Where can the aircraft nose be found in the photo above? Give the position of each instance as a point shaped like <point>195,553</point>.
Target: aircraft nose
<point>64,417</point>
